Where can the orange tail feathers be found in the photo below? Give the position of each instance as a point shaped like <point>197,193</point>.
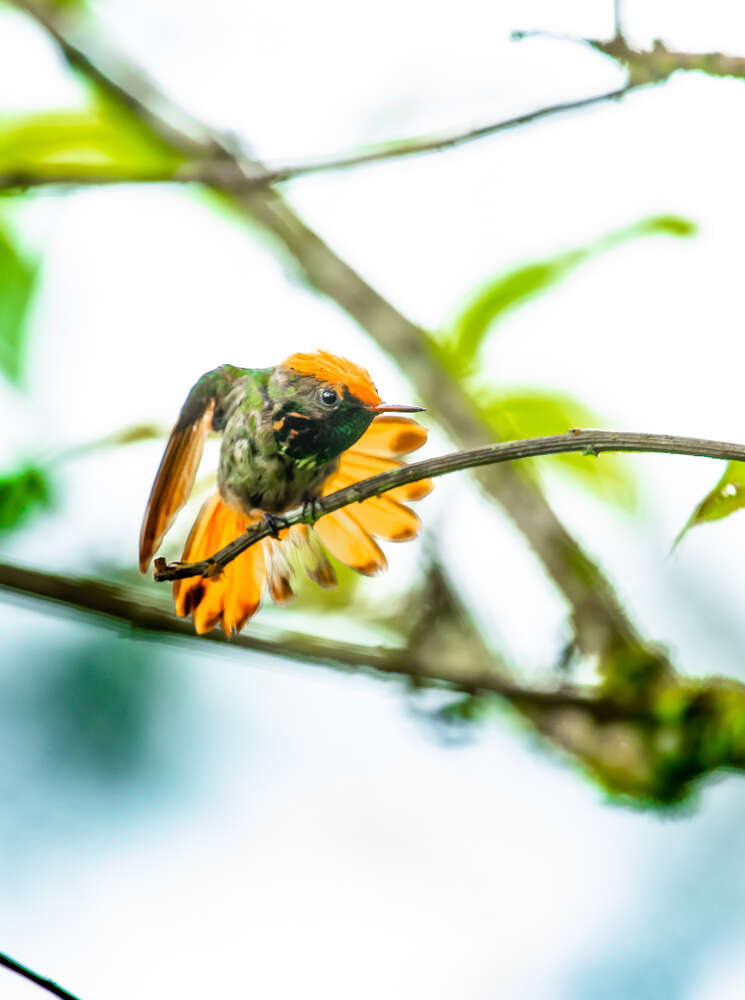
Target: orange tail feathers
<point>347,533</point>
<point>231,597</point>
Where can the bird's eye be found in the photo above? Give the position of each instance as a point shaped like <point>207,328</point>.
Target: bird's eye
<point>328,397</point>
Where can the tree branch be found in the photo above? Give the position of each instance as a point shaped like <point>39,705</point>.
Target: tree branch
<point>659,62</point>
<point>34,977</point>
<point>653,65</point>
<point>120,607</point>
<point>231,175</point>
<point>131,607</point>
<point>587,442</point>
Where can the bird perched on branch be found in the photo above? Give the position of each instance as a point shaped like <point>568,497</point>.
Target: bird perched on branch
<point>290,434</point>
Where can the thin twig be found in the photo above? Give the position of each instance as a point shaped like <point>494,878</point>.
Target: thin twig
<point>234,176</point>
<point>588,442</point>
<point>521,34</point>
<point>34,977</point>
<point>653,65</point>
<point>122,607</point>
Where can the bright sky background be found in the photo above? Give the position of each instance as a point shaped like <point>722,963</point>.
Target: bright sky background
<point>318,839</point>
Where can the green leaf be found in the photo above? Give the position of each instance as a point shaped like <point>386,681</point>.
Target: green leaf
<point>22,491</point>
<point>506,292</point>
<point>662,225</point>
<point>133,434</point>
<point>17,280</point>
<point>533,413</point>
<point>511,289</point>
<point>471,708</point>
<point>104,137</point>
<point>727,496</point>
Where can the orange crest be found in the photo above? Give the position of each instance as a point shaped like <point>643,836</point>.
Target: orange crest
<point>338,372</point>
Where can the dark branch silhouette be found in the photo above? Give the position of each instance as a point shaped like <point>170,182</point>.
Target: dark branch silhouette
<point>34,977</point>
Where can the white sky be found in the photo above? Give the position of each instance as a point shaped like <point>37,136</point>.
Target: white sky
<point>341,851</point>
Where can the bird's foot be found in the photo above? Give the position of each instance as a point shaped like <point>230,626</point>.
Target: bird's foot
<point>310,507</point>
<point>275,524</point>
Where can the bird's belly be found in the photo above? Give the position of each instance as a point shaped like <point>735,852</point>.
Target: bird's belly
<point>249,480</point>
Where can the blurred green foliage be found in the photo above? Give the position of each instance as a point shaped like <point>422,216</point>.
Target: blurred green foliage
<point>105,137</point>
<point>529,412</point>
<point>133,434</point>
<point>308,595</point>
<point>724,499</point>
<point>26,488</point>
<point>18,274</point>
<point>534,413</point>
<point>127,435</point>
<point>23,491</point>
<point>98,703</point>
<point>501,294</point>
<point>650,750</point>
<point>488,304</point>
<point>93,721</point>
<point>694,728</point>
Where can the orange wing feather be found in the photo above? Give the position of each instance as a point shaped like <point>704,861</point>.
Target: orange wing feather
<point>388,436</point>
<point>173,482</point>
<point>347,541</point>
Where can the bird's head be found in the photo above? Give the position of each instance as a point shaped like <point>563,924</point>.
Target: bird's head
<point>324,404</point>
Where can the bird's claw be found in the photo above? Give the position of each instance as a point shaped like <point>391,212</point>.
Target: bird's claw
<point>310,507</point>
<point>275,524</point>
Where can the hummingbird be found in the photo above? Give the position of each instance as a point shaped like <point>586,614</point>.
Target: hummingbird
<point>291,434</point>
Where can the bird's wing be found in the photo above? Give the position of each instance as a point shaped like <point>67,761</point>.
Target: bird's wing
<point>202,410</point>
